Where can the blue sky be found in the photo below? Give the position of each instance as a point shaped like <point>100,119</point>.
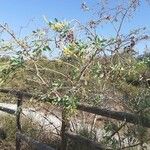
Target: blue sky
<point>18,13</point>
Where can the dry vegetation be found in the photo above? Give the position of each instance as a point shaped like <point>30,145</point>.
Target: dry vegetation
<point>91,69</point>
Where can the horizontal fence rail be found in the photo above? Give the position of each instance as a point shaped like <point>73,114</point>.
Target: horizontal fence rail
<point>65,129</point>
<point>123,116</point>
<point>7,110</point>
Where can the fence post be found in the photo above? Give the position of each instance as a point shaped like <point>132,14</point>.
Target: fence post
<point>64,128</point>
<point>18,124</point>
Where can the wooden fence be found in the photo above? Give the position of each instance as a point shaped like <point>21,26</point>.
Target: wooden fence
<point>65,132</point>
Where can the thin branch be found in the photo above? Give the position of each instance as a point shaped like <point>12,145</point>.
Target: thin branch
<point>38,74</point>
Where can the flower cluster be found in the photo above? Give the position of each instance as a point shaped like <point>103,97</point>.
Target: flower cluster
<point>58,26</point>
<point>70,49</point>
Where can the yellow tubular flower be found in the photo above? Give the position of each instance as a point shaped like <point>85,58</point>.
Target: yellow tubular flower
<point>58,26</point>
<point>67,51</point>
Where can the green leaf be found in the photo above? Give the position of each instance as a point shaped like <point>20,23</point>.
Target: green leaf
<point>46,48</point>
<point>56,20</point>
